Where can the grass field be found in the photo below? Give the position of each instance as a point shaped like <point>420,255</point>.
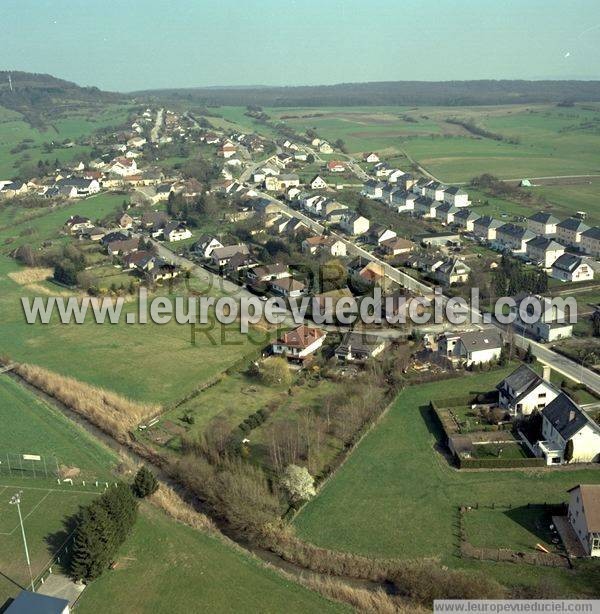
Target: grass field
<point>13,130</point>
<point>168,567</point>
<point>397,497</point>
<point>31,426</point>
<point>44,508</point>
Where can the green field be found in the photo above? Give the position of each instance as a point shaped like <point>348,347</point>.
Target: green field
<point>551,140</point>
<point>14,130</point>
<point>44,508</point>
<point>31,426</point>
<point>397,497</point>
<point>168,567</point>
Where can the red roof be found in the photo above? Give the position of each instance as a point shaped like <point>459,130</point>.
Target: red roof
<point>335,164</point>
<point>302,337</point>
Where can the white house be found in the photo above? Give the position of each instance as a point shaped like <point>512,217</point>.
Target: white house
<point>456,196</point>
<point>358,347</point>
<point>373,189</point>
<point>299,343</point>
<point>485,228</point>
<point>569,267</point>
<point>329,245</point>
<point>524,391</point>
<point>371,157</point>
<point>544,251</point>
<point>584,516</point>
<point>325,147</point>
<point>569,434</point>
<point>590,241</point>
<point>176,231</point>
<point>318,183</point>
<point>551,324</point>
<point>513,237</point>
<point>402,200</point>
<point>477,347</point>
<point>465,219</point>
<point>288,286</point>
<point>542,223</point>
<point>435,190</point>
<point>206,245</point>
<point>570,231</point>
<point>124,167</point>
<point>354,224</point>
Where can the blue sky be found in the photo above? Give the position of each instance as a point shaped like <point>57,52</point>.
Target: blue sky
<point>134,44</point>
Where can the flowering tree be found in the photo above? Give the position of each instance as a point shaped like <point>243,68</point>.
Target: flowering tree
<point>298,482</point>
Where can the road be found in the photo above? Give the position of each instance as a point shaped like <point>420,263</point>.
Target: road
<point>154,133</point>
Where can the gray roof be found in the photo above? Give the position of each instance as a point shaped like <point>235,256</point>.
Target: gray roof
<point>34,603</point>
<point>567,417</point>
<point>543,218</point>
<point>481,340</point>
<point>592,233</point>
<point>574,224</point>
<point>455,190</point>
<point>516,231</point>
<point>77,182</point>
<point>567,262</point>
<point>359,343</point>
<point>222,253</point>
<point>544,243</point>
<point>521,381</point>
<point>466,214</point>
<point>488,222</point>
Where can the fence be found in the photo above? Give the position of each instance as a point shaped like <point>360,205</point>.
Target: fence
<point>15,464</point>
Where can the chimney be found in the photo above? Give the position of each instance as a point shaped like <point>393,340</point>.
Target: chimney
<point>572,415</point>
<point>546,371</point>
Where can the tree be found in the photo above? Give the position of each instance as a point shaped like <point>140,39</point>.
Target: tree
<point>503,358</point>
<point>298,483</point>
<point>529,358</point>
<point>275,371</point>
<point>596,323</point>
<point>144,483</point>
<point>568,454</point>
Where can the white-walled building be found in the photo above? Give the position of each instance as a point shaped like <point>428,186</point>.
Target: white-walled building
<point>584,516</point>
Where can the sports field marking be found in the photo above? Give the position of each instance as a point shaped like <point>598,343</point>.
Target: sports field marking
<point>61,490</point>
<point>28,513</point>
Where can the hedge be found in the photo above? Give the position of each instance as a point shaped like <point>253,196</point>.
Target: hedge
<point>500,463</point>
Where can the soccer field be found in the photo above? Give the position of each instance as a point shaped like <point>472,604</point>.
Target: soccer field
<point>45,509</point>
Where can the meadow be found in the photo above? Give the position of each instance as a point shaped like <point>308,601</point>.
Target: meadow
<point>167,566</point>
<point>397,497</point>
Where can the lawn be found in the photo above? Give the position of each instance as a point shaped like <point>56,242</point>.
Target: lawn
<point>168,567</point>
<point>147,362</point>
<point>32,426</point>
<point>44,508</point>
<point>397,497</point>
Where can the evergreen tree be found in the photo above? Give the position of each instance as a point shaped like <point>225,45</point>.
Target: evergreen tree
<point>145,483</point>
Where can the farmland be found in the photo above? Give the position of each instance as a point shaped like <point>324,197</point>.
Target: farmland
<point>166,566</point>
<point>397,497</point>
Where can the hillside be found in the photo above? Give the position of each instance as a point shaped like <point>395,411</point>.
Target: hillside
<point>405,93</point>
<point>38,97</point>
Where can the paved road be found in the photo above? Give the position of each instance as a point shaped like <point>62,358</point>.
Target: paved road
<point>154,133</point>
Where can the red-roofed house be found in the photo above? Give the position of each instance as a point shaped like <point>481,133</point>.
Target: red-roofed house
<point>299,343</point>
<point>335,166</point>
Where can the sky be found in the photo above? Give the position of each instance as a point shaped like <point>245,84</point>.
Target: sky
<point>128,45</point>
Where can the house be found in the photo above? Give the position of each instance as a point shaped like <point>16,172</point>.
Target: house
<point>162,270</point>
<point>542,223</point>
<point>551,325</point>
<point>395,175</point>
<point>513,237</point>
<point>382,169</point>
<point>402,200</point>
<point>84,187</point>
<point>227,150</point>
<point>288,286</point>
<point>373,189</point>
<point>275,183</point>
<point>358,347</point>
<point>335,166</point>
<point>124,167</point>
<point>176,231</point>
<point>163,191</point>
<point>452,271</point>
<point>485,228</point>
<point>426,207</point>
<point>438,239</point>
<point>28,602</point>
<point>456,196</point>
<point>396,246</point>
<point>317,183</point>
<point>122,247</point>
<point>76,223</point>
<point>283,159</point>
<point>265,207</point>
<point>268,272</point>
<point>406,181</point>
<point>524,391</point>
<point>300,156</point>
<point>477,347</point>
<point>142,260</point>
<point>372,273</point>
<point>465,219</point>
<point>325,147</point>
<point>569,232</point>
<point>328,245</point>
<point>222,255</point>
<point>239,262</point>
<point>125,221</point>
<point>544,251</point>
<point>435,190</point>
<point>569,267</point>
<point>569,434</point>
<point>371,157</point>
<point>299,343</point>
<point>446,212</point>
<point>590,241</point>
<point>136,141</point>
<point>93,234</point>
<point>354,224</point>
<point>378,234</point>
<point>584,516</point>
<point>10,189</point>
<point>206,245</point>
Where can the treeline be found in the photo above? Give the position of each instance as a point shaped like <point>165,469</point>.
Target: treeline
<point>411,93</point>
<point>476,130</point>
<point>511,278</point>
